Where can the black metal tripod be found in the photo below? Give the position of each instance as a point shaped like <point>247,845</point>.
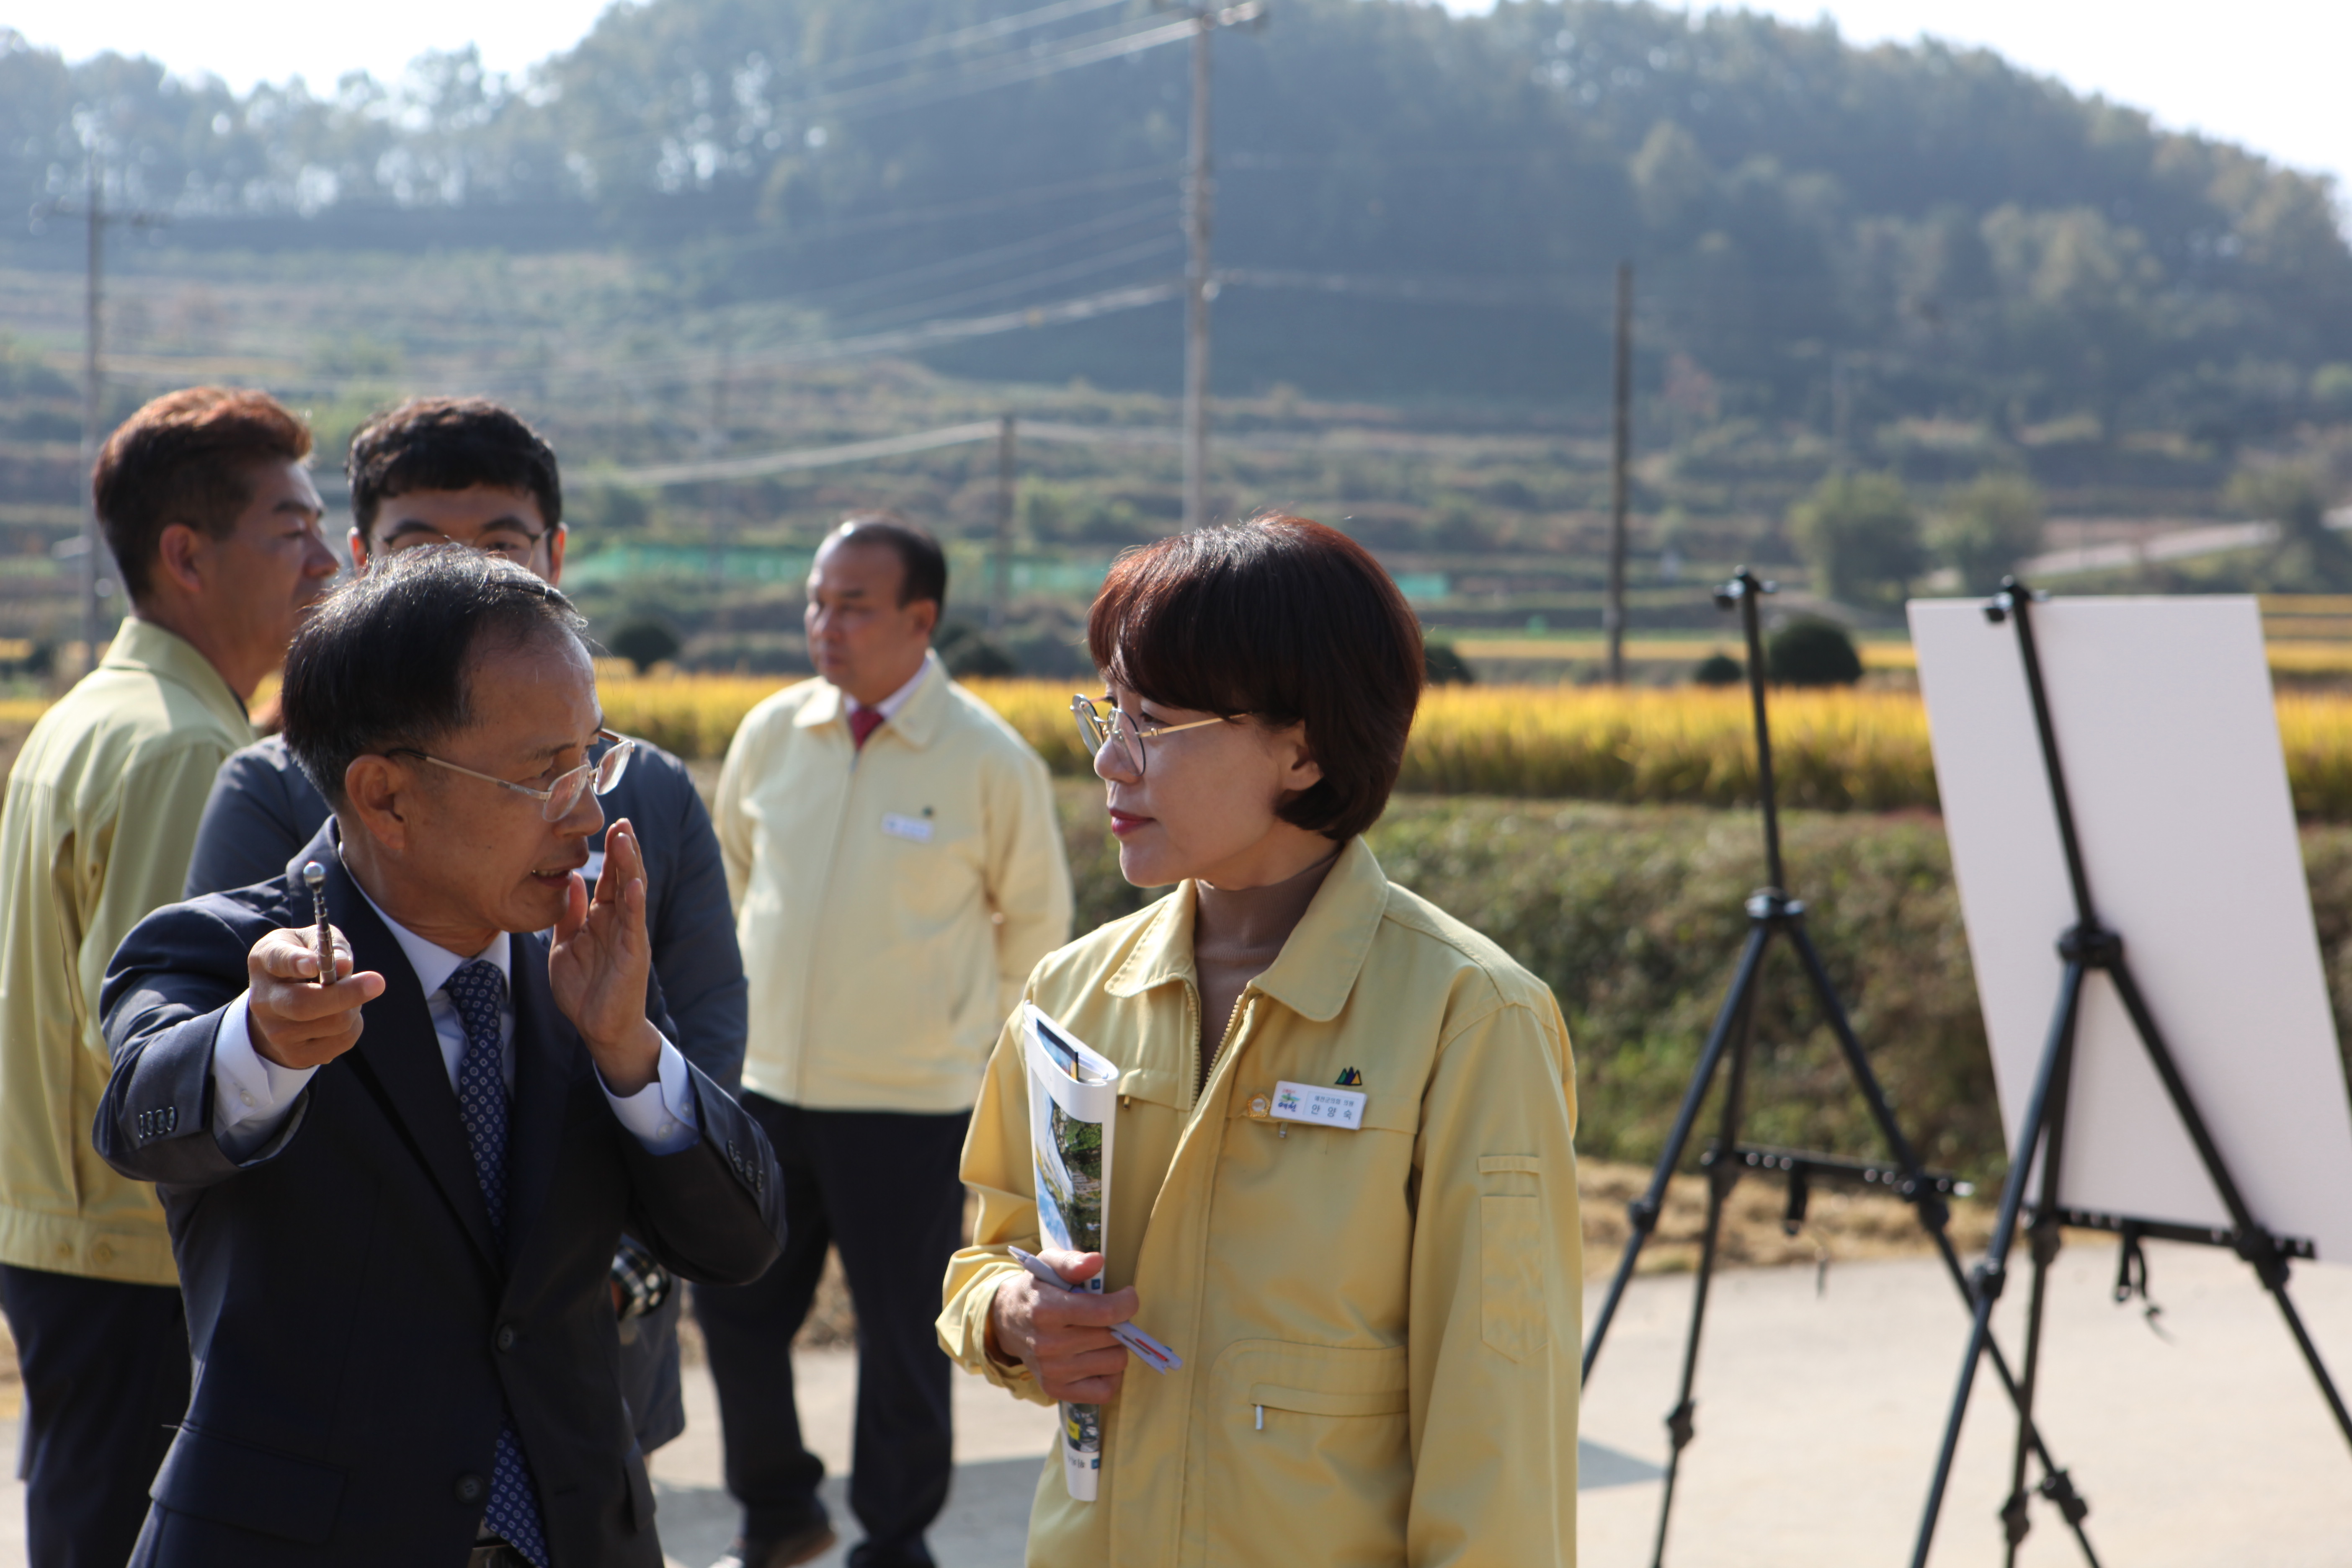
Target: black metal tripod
<point>2088,945</point>
<point>1771,912</point>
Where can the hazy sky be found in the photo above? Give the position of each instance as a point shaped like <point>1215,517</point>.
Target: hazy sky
<point>2264,72</point>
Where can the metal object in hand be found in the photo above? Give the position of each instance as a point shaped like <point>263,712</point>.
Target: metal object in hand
<point>315,874</point>
<point>1149,1351</point>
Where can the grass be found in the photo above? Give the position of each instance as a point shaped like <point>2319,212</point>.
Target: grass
<point>1634,916</point>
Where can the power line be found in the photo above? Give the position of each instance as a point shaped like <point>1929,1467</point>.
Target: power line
<point>1126,218</point>
<point>1004,26</point>
<point>1087,268</point>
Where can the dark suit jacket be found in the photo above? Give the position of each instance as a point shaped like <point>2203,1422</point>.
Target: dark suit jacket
<point>353,1321</point>
<point>263,808</point>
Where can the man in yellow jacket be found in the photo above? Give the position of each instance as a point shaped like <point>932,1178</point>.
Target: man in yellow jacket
<point>896,869</point>
<point>213,525</point>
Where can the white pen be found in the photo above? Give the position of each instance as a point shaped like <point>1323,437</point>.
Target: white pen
<point>1148,1351</point>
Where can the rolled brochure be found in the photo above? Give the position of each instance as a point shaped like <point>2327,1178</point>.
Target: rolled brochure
<point>1072,1107</point>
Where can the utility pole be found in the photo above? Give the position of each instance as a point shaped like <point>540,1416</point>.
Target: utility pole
<point>93,386</point>
<point>1000,585</point>
<point>1200,281</point>
<point>94,209</point>
<point>1612,612</point>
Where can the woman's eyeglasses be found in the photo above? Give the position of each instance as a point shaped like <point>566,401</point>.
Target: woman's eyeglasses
<point>1098,732</point>
<point>560,799</point>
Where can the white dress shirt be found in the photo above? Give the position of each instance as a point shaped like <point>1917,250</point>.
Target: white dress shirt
<point>252,1095</point>
<point>889,707</point>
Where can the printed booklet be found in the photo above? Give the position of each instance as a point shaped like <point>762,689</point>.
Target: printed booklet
<point>1073,1102</point>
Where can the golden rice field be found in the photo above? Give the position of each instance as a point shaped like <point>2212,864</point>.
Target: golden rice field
<point>1833,751</point>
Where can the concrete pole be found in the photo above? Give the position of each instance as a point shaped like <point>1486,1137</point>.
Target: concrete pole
<point>1612,612</point>
<point>1000,586</point>
<point>1199,192</point>
<point>95,213</point>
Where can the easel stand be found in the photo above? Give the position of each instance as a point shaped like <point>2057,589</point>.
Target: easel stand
<point>2087,946</point>
<point>1773,913</point>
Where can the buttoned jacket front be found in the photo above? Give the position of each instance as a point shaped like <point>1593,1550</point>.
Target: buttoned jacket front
<point>1380,1328</point>
<point>889,901</point>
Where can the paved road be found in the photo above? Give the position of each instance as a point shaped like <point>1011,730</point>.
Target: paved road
<point>1818,1419</point>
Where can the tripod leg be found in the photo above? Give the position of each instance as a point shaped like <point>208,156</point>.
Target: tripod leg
<point>1932,1217</point>
<point>2057,1054</point>
<point>1644,1210</point>
<point>2254,1244</point>
<point>2044,1233</point>
<point>1720,1175</point>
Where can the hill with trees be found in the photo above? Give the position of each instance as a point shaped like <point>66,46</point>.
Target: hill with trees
<point>1411,204</point>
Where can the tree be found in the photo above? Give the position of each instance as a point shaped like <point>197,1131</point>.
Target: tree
<point>1811,652</point>
<point>644,643</point>
<point>1859,536</point>
<point>2308,555</point>
<point>1987,527</point>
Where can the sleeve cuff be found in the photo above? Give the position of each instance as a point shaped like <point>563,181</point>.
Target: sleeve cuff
<point>251,1096</point>
<point>661,1115</point>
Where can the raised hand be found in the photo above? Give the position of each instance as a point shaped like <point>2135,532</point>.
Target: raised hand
<point>292,1019</point>
<point>600,961</point>
<point>1064,1336</point>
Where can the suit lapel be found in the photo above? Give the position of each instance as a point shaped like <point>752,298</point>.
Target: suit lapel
<point>399,1056</point>
<point>549,1058</point>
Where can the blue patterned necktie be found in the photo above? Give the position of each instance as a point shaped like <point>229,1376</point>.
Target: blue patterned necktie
<point>478,991</point>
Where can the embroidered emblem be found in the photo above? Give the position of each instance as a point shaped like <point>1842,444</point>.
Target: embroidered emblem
<point>1349,1079</point>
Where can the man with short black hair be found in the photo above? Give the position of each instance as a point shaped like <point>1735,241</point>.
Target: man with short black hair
<point>442,470</point>
<point>396,1169</point>
<point>209,512</point>
<point>897,870</point>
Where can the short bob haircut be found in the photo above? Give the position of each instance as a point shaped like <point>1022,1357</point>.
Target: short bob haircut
<point>1288,622</point>
<point>187,457</point>
<point>449,444</point>
<point>385,662</point>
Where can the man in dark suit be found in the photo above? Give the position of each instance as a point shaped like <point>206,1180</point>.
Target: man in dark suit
<point>394,1198</point>
<point>436,472</point>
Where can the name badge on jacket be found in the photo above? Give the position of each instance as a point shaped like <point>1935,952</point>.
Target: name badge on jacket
<point>914,830</point>
<point>1324,1107</point>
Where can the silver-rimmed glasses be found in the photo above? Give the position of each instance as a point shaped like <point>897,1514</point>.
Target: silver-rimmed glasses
<point>1098,731</point>
<point>560,799</point>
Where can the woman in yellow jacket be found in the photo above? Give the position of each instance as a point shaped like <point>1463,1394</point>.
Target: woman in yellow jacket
<point>1378,1324</point>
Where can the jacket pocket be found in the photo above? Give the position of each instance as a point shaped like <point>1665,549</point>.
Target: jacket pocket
<point>1510,1276</point>
<point>1310,1457</point>
<point>234,1483</point>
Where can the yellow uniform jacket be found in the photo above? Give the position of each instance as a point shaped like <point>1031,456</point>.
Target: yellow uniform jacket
<point>1380,1328</point>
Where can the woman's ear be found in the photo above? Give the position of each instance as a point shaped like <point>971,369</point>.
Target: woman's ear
<point>1300,771</point>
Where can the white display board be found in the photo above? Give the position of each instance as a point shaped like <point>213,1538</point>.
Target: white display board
<point>2169,740</point>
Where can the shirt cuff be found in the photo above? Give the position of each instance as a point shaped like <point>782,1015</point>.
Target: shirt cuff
<point>662,1114</point>
<point>251,1095</point>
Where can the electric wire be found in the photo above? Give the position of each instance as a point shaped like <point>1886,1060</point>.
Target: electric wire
<point>1126,218</point>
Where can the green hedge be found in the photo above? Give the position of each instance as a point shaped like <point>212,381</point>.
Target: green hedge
<point>1634,916</point>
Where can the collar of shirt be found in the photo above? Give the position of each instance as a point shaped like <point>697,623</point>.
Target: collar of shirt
<point>889,707</point>
<point>433,965</point>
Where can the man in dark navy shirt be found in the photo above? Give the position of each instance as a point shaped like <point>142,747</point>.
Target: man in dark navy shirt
<point>466,471</point>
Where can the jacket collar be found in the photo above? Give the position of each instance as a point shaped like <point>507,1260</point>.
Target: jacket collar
<point>1317,968</point>
<point>145,647</point>
<point>916,723</point>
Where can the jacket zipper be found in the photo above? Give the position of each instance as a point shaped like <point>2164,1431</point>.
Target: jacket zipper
<point>808,967</point>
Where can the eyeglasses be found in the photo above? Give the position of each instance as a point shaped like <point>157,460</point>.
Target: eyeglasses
<point>1098,731</point>
<point>560,799</point>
